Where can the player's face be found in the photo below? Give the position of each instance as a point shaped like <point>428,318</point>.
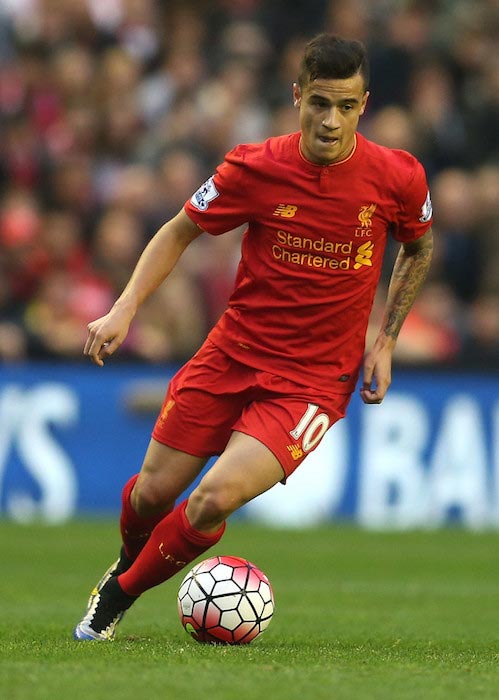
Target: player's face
<point>329,114</point>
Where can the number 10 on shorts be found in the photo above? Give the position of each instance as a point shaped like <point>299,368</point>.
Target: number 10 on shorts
<point>311,426</point>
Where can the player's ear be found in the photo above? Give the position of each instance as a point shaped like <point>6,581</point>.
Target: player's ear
<point>296,95</point>
<point>364,102</point>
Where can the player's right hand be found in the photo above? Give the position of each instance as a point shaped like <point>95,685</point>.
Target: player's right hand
<point>105,335</point>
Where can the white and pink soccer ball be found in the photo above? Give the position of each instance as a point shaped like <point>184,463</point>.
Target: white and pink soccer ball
<point>225,600</point>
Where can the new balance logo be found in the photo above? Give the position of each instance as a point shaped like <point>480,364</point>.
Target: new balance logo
<point>296,451</point>
<point>167,407</point>
<point>285,210</point>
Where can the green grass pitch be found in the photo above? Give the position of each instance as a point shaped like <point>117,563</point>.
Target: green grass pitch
<point>359,615</point>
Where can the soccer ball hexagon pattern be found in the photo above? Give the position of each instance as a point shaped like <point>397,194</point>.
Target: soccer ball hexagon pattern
<point>225,600</point>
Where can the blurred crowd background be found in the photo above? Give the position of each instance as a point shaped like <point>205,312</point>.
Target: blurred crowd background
<point>113,112</point>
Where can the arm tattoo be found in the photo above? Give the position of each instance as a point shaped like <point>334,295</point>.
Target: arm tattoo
<point>409,272</point>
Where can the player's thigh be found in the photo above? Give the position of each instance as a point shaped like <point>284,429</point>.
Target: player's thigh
<point>291,427</point>
<point>165,474</point>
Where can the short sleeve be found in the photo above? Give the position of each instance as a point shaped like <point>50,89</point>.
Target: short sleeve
<point>415,214</point>
<point>221,203</point>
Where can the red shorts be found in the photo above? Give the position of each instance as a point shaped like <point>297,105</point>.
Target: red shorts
<point>212,395</point>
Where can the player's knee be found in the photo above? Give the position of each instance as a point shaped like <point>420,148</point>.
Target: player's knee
<point>148,500</point>
<point>209,505</point>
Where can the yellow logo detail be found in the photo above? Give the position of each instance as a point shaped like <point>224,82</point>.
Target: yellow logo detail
<point>296,451</point>
<point>364,255</point>
<point>169,558</point>
<point>285,210</point>
<point>366,214</point>
<point>167,408</point>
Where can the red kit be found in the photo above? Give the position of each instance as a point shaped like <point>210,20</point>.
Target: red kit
<point>312,252</point>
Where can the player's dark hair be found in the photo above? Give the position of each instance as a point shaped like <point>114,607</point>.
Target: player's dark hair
<point>329,56</point>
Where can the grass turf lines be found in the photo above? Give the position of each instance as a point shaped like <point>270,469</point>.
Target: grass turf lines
<point>358,615</point>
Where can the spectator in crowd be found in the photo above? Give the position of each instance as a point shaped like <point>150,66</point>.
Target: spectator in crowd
<point>460,258</point>
<point>486,185</point>
<point>480,346</point>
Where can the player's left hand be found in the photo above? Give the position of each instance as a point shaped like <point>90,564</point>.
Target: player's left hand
<point>377,373</point>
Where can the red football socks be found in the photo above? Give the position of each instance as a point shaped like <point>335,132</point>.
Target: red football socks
<point>135,531</point>
<point>173,544</point>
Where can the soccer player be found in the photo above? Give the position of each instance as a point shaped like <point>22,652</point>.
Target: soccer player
<point>280,365</point>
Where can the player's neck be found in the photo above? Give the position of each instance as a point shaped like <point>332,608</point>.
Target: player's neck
<point>339,161</point>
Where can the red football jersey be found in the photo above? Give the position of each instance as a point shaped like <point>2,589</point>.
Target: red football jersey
<point>312,252</point>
